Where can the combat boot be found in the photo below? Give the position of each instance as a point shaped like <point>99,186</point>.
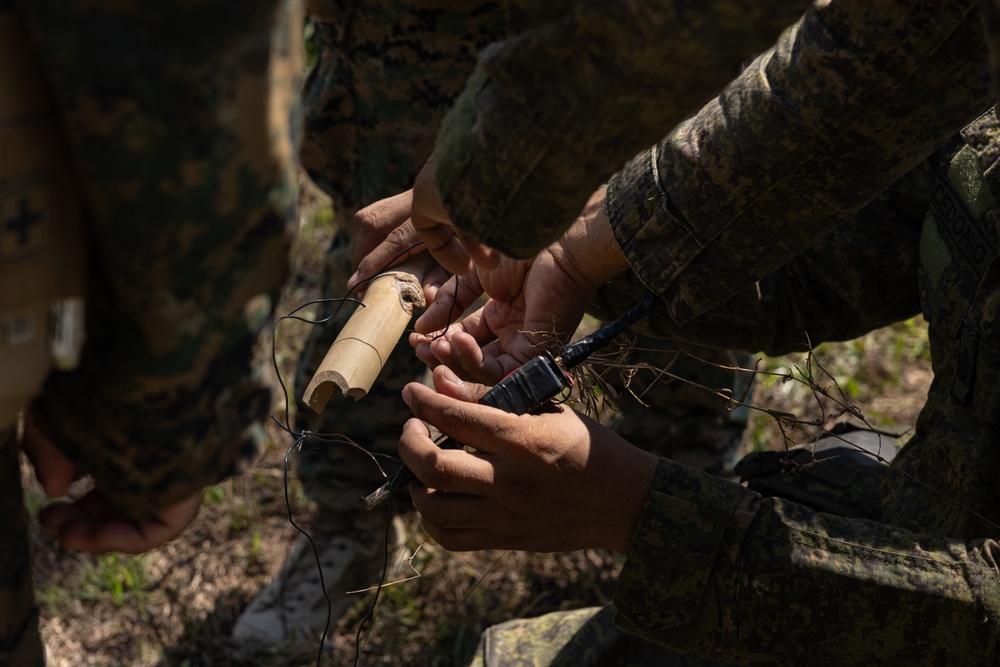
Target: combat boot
<point>293,607</point>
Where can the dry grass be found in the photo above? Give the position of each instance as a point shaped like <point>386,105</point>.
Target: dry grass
<point>880,379</point>
<point>177,605</point>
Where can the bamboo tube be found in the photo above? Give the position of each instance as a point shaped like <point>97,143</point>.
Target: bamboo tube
<point>357,356</point>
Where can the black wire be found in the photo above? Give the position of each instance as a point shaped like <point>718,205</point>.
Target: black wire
<point>340,301</point>
<point>274,341</point>
<point>575,353</point>
<point>370,615</point>
<point>312,543</point>
<point>301,441</point>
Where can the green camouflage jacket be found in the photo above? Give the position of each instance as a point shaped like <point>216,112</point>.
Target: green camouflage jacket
<point>714,568</point>
<point>875,87</point>
<point>386,72</point>
<point>853,97</point>
<point>183,120</point>
<point>525,144</point>
<point>577,89</point>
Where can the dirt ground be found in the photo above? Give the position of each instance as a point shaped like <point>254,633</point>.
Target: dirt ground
<point>177,605</point>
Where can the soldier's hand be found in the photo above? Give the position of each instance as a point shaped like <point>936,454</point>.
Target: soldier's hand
<point>533,303</point>
<point>93,525</point>
<point>390,230</point>
<point>555,481</point>
<point>383,237</point>
<point>52,469</point>
<point>454,251</point>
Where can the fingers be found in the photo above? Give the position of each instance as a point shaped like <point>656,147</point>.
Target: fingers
<point>467,423</point>
<point>448,493</point>
<point>92,525</point>
<point>433,224</point>
<point>499,330</point>
<point>400,244</point>
<point>441,242</point>
<point>473,350</point>
<point>450,302</point>
<point>89,524</point>
<point>455,521</point>
<point>450,469</point>
<point>434,279</point>
<point>461,352</point>
<point>448,383</point>
<point>481,254</point>
<point>91,507</point>
<point>374,224</point>
<point>54,471</point>
<point>388,230</point>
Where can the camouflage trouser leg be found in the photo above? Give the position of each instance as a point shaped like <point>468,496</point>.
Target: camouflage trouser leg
<point>682,419</point>
<point>336,476</point>
<point>580,638</point>
<point>20,643</point>
<point>386,74</point>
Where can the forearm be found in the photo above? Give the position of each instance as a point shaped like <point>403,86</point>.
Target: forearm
<point>577,90</point>
<point>186,153</point>
<point>715,569</point>
<point>853,97</point>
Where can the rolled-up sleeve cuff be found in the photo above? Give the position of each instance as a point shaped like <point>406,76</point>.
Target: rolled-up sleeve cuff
<point>656,241</point>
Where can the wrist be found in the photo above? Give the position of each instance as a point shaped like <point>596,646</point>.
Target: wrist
<point>612,260</point>
<point>592,248</point>
<point>637,481</point>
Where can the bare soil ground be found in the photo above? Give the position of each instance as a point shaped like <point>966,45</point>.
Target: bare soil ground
<point>177,605</point>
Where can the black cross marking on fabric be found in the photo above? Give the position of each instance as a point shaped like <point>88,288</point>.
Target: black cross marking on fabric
<point>22,223</point>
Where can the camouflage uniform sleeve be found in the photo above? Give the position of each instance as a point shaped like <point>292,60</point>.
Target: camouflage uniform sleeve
<point>861,276</point>
<point>715,569</point>
<point>577,90</point>
<point>183,119</point>
<point>851,97</point>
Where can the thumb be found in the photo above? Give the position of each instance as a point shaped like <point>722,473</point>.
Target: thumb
<point>447,383</point>
<point>52,469</point>
<point>468,423</point>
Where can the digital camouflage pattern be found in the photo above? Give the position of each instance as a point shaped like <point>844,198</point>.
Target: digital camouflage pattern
<point>851,76</point>
<point>387,72</point>
<point>806,299</point>
<point>855,96</point>
<point>580,637</point>
<point>191,188</point>
<point>183,123</point>
<point>954,450</point>
<point>578,89</point>
<point>777,316</point>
